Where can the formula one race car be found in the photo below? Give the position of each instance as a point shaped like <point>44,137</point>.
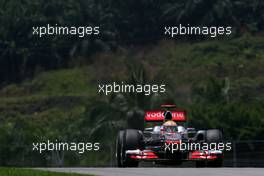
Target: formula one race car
<point>165,140</point>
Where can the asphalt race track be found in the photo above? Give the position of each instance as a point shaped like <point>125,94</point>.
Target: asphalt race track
<point>162,171</point>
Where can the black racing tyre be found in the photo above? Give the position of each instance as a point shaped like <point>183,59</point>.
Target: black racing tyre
<point>119,152</point>
<point>212,136</point>
<point>127,140</point>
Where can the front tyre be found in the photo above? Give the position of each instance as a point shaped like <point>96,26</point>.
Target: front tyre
<point>119,152</point>
<point>127,140</point>
<point>212,136</point>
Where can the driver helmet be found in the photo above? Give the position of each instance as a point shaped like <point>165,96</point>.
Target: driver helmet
<point>168,119</point>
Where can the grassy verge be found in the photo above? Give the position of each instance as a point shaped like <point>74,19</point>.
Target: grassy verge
<point>30,172</point>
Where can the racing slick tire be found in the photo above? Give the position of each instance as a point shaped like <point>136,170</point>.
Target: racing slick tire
<point>129,139</point>
<point>212,136</point>
<point>119,143</point>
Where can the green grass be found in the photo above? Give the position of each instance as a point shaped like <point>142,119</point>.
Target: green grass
<point>31,172</point>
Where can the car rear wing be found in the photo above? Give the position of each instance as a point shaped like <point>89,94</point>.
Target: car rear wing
<point>158,116</point>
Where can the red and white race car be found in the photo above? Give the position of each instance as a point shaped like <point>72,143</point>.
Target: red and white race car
<point>165,140</point>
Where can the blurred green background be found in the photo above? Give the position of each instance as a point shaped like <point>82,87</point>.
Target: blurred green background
<point>49,85</point>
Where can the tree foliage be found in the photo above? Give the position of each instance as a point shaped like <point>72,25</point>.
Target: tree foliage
<point>122,23</point>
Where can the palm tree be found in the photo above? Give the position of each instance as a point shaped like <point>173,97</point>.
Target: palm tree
<point>119,111</point>
<point>122,110</point>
